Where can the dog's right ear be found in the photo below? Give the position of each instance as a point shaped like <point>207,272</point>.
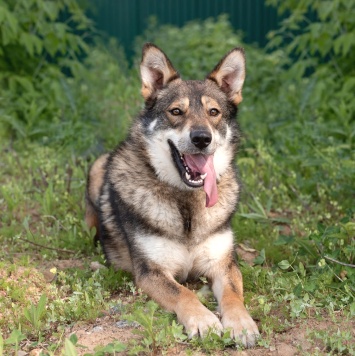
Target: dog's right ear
<point>156,70</point>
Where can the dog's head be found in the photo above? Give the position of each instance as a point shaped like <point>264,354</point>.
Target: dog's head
<point>190,126</point>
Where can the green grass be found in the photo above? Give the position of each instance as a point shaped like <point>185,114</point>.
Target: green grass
<point>42,192</point>
<point>297,165</point>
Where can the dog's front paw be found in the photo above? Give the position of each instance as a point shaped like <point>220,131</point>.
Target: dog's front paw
<point>243,327</point>
<point>198,324</point>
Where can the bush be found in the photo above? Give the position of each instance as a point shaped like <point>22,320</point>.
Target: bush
<point>37,44</point>
<point>56,78</point>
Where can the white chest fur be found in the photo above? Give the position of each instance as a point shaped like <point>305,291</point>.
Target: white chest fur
<point>179,261</point>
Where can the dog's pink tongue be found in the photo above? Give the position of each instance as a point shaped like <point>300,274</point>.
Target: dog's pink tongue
<point>204,164</point>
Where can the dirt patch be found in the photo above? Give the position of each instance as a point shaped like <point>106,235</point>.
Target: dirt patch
<point>104,331</point>
<point>49,269</point>
<point>246,253</point>
<point>296,341</point>
<point>19,287</point>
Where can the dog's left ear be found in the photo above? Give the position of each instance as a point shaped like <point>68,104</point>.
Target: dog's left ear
<point>229,74</point>
<point>156,70</point>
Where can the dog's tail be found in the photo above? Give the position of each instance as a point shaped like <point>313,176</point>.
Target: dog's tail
<point>92,195</point>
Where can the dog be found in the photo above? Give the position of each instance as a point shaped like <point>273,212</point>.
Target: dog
<point>162,201</point>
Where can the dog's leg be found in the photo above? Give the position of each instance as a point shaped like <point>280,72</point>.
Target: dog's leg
<point>174,297</point>
<point>227,286</point>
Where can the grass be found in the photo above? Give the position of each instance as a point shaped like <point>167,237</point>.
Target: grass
<point>296,211</point>
<point>297,276</point>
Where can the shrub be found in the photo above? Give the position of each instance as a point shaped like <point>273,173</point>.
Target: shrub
<point>57,80</point>
<point>37,43</point>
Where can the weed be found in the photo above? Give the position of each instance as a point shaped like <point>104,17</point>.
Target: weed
<point>14,339</point>
<point>69,348</point>
<point>158,331</point>
<point>339,342</point>
<point>213,342</point>
<point>35,314</point>
<point>111,349</point>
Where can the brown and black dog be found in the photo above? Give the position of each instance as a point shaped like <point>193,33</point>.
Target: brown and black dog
<point>162,201</point>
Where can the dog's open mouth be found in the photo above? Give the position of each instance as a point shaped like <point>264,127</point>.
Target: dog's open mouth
<point>197,170</point>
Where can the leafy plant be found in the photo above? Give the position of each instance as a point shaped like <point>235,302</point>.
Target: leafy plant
<point>50,59</point>
<point>37,44</point>
<point>111,349</point>
<point>213,342</point>
<point>339,342</point>
<point>69,348</point>
<point>35,314</point>
<point>14,339</point>
<point>158,331</point>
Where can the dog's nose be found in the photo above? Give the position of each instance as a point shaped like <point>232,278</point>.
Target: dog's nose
<point>201,138</point>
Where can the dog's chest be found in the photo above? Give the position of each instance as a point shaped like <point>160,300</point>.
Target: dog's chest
<point>186,218</point>
<point>181,260</point>
<point>175,214</point>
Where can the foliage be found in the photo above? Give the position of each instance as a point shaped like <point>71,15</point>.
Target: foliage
<point>320,35</point>
<point>337,343</point>
<point>197,47</point>
<point>37,43</point>
<point>49,93</point>
<point>14,339</point>
<point>35,314</point>
<point>157,333</point>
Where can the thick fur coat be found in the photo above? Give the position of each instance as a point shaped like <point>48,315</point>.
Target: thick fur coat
<point>162,201</point>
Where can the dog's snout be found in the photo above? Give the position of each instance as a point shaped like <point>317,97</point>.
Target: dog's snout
<point>201,138</point>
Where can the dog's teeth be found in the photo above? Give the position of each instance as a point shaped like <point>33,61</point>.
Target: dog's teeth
<point>188,177</point>
<point>203,176</point>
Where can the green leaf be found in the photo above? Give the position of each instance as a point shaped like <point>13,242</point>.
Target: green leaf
<point>26,41</point>
<point>11,22</point>
<point>325,8</point>
<point>284,264</point>
<point>302,269</point>
<point>284,240</point>
<point>344,42</point>
<point>69,348</point>
<point>25,82</point>
<point>41,307</point>
<point>7,35</point>
<point>297,291</point>
<point>74,339</point>
<point>51,9</point>
<point>15,337</point>
<point>259,260</point>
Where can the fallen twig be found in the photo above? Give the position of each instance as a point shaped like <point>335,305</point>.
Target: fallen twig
<point>48,248</point>
<point>339,262</point>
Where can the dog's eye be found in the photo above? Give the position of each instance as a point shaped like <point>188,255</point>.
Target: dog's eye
<point>175,112</point>
<point>214,112</point>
